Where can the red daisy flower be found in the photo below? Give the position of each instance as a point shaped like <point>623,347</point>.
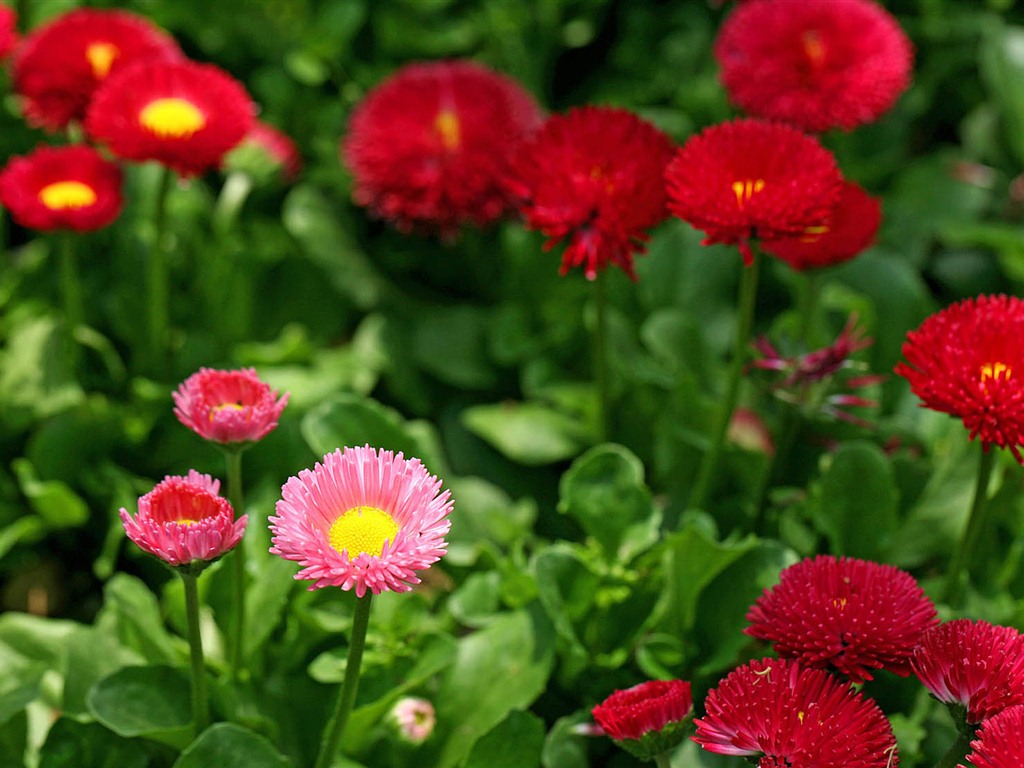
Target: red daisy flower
<point>752,179</point>
<point>647,719</point>
<point>974,664</point>
<point>182,114</point>
<point>794,716</point>
<point>817,64</point>
<point>850,229</point>
<point>62,188</point>
<point>62,63</point>
<point>1000,742</point>
<point>228,407</point>
<point>968,361</point>
<point>852,615</point>
<point>593,177</point>
<point>429,147</point>
<point>8,31</point>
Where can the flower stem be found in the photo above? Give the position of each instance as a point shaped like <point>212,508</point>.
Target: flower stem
<point>956,752</point>
<point>200,701</point>
<point>747,300</point>
<point>158,281</point>
<point>809,295</point>
<point>661,760</point>
<point>347,695</point>
<point>600,359</point>
<point>234,469</point>
<point>70,285</point>
<point>960,565</point>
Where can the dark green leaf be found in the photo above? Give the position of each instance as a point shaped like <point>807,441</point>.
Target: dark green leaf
<point>154,702</point>
<point>71,744</point>
<point>515,742</point>
<point>226,745</point>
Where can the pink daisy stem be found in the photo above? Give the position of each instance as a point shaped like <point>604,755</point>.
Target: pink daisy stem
<point>745,321</point>
<point>347,695</point>
<point>158,281</point>
<point>200,700</point>
<point>233,457</point>
<point>964,553</point>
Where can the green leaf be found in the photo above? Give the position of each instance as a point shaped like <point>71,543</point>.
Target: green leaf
<point>566,587</point>
<point>52,500</point>
<point>36,638</point>
<point>563,747</point>
<point>266,600</point>
<point>1001,64</point>
<point>154,702</point>
<point>450,342</point>
<point>93,653</point>
<point>71,744</point>
<point>135,613</point>
<point>529,433</point>
<point>484,513</point>
<point>515,742</point>
<point>226,745</point>
<point>36,380</point>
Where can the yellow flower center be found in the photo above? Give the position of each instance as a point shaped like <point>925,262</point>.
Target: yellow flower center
<point>67,195</point>
<point>801,715</point>
<point>186,521</point>
<point>172,118</point>
<point>237,406</point>
<point>362,530</point>
<point>813,234</point>
<point>448,128</point>
<point>101,57</point>
<point>744,190</point>
<point>813,47</point>
<point>995,371</point>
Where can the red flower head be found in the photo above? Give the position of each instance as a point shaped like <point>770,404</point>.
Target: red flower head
<point>8,31</point>
<point>430,146</point>
<point>1000,742</point>
<point>851,228</point>
<point>647,719</point>
<point>972,664</point>
<point>184,115</point>
<point>228,407</point>
<point>593,177</point>
<point>752,179</point>
<point>794,716</point>
<point>818,64</point>
<point>61,64</point>
<point>851,615</point>
<point>968,361</point>
<point>271,149</point>
<point>62,188</point>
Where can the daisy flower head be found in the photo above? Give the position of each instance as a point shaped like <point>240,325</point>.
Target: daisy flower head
<point>780,713</point>
<point>593,178</point>
<point>429,148</point>
<point>185,522</point>
<point>182,114</point>
<point>849,230</point>
<point>972,664</point>
<point>362,519</point>
<point>851,615</point>
<point>968,361</point>
<point>816,64</point>
<point>1000,741</point>
<point>228,407</point>
<point>62,63</point>
<point>70,187</point>
<point>749,179</point>
<point>647,719</point>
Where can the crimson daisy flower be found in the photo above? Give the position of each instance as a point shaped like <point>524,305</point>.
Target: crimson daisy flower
<point>972,664</point>
<point>182,114</point>
<point>852,615</point>
<point>647,719</point>
<point>593,178</point>
<point>184,521</point>
<point>429,148</point>
<point>362,519</point>
<point>785,714</point>
<point>8,31</point>
<point>228,407</point>
<point>748,179</point>
<point>62,188</point>
<point>1000,742</point>
<point>850,229</point>
<point>61,63</point>
<point>968,361</point>
<point>818,64</point>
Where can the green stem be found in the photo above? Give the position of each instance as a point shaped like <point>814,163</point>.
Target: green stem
<point>773,472</point>
<point>158,281</point>
<point>809,295</point>
<point>347,695</point>
<point>600,360</point>
<point>70,284</point>
<point>200,701</point>
<point>233,195</point>
<point>745,321</point>
<point>960,565</point>
<point>956,753</point>
<point>661,760</point>
<point>234,467</point>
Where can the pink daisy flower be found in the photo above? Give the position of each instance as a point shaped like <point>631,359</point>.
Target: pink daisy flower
<point>183,521</point>
<point>648,719</point>
<point>228,407</point>
<point>362,519</point>
<point>1000,741</point>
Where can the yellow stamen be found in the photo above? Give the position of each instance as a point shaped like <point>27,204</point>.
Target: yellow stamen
<point>67,195</point>
<point>186,521</point>
<point>744,190</point>
<point>995,371</point>
<point>362,530</point>
<point>813,47</point>
<point>172,118</point>
<point>101,57</point>
<point>447,126</point>
<point>800,716</point>
<point>813,234</point>
<point>839,602</point>
<point>236,406</point>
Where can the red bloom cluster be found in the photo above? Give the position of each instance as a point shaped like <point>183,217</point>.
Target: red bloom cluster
<point>972,663</point>
<point>8,31</point>
<point>62,63</point>
<point>791,715</point>
<point>1000,742</point>
<point>818,64</point>
<point>968,361</point>
<point>62,188</point>
<point>430,147</point>
<point>852,615</point>
<point>594,178</point>
<point>749,179</point>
